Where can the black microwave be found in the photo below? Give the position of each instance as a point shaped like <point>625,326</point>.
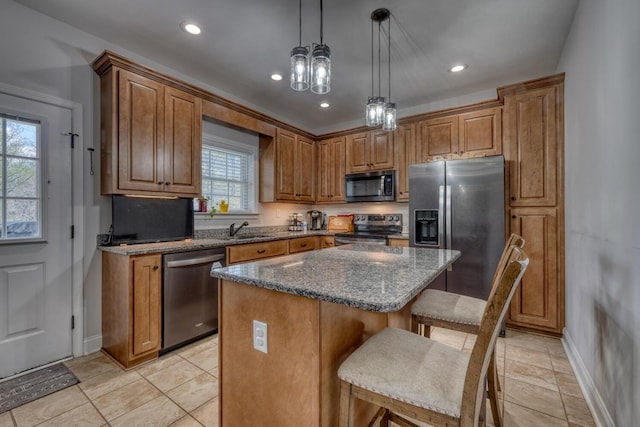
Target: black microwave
<point>378,186</point>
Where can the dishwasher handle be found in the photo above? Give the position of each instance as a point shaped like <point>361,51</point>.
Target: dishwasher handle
<point>195,261</point>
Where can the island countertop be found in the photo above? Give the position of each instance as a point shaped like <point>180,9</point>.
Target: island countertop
<point>369,277</point>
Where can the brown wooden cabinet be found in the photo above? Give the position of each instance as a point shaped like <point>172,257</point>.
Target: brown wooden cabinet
<point>398,242</point>
<point>327,242</point>
<point>331,170</point>
<point>472,134</point>
<point>304,244</point>
<point>255,251</point>
<point>131,307</point>
<point>405,140</point>
<point>151,136</point>
<point>369,151</point>
<point>287,168</point>
<point>534,154</point>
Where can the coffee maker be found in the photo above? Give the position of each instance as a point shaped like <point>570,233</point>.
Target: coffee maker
<point>314,220</point>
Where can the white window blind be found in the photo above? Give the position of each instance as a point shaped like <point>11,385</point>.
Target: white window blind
<point>227,174</point>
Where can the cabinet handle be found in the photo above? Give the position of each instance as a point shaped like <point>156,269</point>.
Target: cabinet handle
<point>261,251</point>
<point>167,183</point>
<point>513,216</point>
<point>513,198</point>
<point>304,245</point>
<point>160,182</point>
<point>155,267</point>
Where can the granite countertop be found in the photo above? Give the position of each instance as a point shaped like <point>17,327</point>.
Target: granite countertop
<point>196,244</point>
<point>369,277</point>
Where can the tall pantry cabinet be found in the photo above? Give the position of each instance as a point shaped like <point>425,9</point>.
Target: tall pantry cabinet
<point>533,147</point>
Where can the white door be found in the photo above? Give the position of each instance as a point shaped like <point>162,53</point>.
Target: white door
<point>35,234</point>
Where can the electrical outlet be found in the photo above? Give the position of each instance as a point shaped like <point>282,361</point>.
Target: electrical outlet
<point>260,336</point>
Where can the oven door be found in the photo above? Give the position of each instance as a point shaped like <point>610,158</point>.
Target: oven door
<point>347,239</point>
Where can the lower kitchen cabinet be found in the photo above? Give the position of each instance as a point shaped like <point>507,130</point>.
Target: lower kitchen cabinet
<point>539,301</point>
<point>303,244</point>
<point>131,307</point>
<point>398,242</point>
<point>255,251</point>
<point>327,242</point>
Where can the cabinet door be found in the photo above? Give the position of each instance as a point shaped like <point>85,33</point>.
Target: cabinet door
<point>305,170</point>
<point>358,152</point>
<point>437,139</point>
<point>327,242</point>
<point>331,170</point>
<point>285,165</point>
<point>303,244</point>
<point>145,304</point>
<point>381,152</point>
<point>531,133</point>
<point>337,167</point>
<point>538,301</point>
<point>182,142</point>
<point>405,140</point>
<point>140,133</point>
<point>481,133</point>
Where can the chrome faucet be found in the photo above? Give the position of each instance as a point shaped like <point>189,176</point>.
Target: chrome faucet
<point>233,230</point>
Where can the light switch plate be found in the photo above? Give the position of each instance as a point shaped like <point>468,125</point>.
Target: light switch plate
<point>260,336</point>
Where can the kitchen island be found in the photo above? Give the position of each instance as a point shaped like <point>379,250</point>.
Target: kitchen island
<point>318,307</point>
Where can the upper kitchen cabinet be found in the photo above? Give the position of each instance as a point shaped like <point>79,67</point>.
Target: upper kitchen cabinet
<point>473,134</point>
<point>331,170</point>
<point>533,121</point>
<point>369,151</point>
<point>151,139</point>
<point>287,168</point>
<point>405,155</point>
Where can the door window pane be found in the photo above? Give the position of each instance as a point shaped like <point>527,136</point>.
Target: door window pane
<point>20,176</point>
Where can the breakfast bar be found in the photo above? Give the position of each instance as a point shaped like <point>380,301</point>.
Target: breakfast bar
<point>315,308</point>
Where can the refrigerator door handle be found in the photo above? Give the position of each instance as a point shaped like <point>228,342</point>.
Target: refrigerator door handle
<point>448,219</point>
<point>441,217</point>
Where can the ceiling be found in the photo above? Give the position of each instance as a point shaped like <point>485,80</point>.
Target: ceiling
<point>244,41</point>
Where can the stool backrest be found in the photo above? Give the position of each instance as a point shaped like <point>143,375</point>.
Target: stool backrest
<point>514,240</point>
<point>505,284</point>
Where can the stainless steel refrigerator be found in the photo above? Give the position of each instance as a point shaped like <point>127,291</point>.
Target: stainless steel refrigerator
<point>459,204</point>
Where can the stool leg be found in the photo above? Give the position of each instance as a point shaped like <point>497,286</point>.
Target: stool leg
<point>346,405</point>
<point>492,384</point>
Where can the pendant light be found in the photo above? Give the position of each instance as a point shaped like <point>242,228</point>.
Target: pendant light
<point>378,111</point>
<point>389,119</point>
<point>300,61</point>
<point>311,70</point>
<point>321,64</point>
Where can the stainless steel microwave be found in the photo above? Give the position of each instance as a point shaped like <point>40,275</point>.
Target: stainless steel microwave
<point>378,186</point>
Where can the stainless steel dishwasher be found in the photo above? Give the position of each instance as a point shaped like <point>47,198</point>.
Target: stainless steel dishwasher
<point>189,296</point>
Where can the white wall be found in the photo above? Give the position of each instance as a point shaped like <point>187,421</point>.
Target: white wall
<point>602,147</point>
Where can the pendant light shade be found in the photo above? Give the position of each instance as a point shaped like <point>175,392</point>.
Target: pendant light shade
<point>321,69</point>
<point>370,112</point>
<point>389,122</point>
<point>300,68</point>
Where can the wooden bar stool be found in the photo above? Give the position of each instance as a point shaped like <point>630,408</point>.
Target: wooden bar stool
<point>461,313</point>
<point>407,375</point>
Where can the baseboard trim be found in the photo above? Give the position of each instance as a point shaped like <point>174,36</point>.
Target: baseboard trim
<point>598,409</point>
<point>92,344</point>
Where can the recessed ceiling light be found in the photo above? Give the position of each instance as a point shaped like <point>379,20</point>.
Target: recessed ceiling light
<point>458,68</point>
<point>325,105</point>
<point>190,28</point>
<point>276,76</point>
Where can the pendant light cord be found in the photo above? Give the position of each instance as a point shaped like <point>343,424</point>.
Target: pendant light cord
<point>300,24</point>
<point>379,72</point>
<point>321,42</point>
<point>389,56</point>
<point>372,62</point>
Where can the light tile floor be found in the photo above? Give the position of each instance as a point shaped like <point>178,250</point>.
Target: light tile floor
<point>180,389</point>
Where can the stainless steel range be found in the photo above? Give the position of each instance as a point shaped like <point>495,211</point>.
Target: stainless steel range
<point>372,228</point>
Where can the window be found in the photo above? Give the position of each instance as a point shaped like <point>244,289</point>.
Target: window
<point>228,173</point>
<point>20,172</point>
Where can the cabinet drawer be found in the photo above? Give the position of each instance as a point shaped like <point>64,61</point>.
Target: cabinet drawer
<point>327,242</point>
<point>253,251</point>
<point>303,244</point>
